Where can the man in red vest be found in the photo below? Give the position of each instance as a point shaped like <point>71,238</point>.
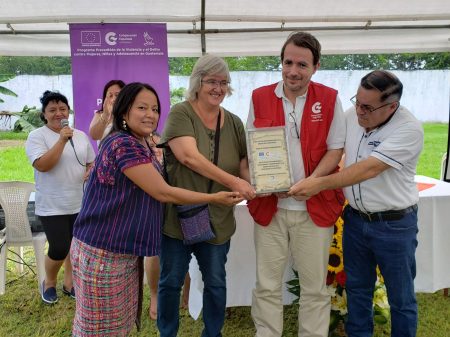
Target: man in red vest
<point>315,132</point>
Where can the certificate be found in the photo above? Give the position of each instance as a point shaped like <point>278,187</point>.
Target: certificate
<point>270,169</point>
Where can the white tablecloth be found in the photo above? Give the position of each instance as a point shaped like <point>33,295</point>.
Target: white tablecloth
<point>433,251</point>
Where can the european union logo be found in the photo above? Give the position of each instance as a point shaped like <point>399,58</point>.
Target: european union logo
<point>90,38</point>
<point>261,154</point>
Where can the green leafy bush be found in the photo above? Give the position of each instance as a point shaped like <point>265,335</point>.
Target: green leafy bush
<point>28,119</point>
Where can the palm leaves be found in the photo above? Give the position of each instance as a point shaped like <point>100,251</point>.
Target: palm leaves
<point>28,119</point>
<point>6,91</point>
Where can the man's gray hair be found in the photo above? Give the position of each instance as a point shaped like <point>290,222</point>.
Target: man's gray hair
<point>206,65</point>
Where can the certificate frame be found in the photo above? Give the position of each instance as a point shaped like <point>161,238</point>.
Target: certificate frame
<point>268,159</point>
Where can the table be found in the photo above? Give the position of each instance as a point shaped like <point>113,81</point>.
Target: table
<point>433,251</point>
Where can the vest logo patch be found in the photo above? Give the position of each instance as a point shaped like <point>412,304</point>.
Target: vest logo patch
<point>316,110</point>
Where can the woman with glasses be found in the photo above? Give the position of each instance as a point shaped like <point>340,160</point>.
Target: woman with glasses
<point>189,137</point>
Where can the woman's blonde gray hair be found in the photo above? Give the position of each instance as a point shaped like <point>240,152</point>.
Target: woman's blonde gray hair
<point>207,65</point>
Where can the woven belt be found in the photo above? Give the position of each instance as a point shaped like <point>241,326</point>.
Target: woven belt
<point>393,215</point>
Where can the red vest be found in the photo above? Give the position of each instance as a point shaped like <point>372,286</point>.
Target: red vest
<point>325,207</point>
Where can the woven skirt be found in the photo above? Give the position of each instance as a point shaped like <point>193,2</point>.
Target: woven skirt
<point>106,288</point>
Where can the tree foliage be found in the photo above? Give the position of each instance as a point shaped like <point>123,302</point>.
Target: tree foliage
<point>254,63</point>
<point>181,66</point>
<point>418,61</point>
<point>35,65</point>
<point>40,65</point>
<point>177,95</point>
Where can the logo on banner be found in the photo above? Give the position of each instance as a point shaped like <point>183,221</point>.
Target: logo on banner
<point>90,38</point>
<point>148,40</point>
<point>111,38</point>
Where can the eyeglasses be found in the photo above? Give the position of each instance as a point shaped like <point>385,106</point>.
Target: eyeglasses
<point>216,84</point>
<point>367,108</point>
<point>292,119</point>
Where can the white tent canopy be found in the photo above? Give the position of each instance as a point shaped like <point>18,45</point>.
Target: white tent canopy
<point>235,27</point>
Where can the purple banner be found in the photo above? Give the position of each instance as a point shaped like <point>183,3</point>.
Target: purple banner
<point>129,52</point>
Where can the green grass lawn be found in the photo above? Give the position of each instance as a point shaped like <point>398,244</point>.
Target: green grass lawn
<point>10,135</point>
<point>14,165</point>
<point>435,145</point>
<point>22,313</point>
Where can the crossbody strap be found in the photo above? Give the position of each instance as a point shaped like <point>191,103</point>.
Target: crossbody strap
<point>216,147</point>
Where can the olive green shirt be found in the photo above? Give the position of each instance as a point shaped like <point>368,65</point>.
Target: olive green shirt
<point>183,121</point>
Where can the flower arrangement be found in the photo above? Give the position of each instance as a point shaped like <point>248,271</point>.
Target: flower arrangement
<point>336,280</point>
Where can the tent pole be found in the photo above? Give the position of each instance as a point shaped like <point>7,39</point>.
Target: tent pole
<point>446,173</point>
<point>204,31</point>
<point>202,27</point>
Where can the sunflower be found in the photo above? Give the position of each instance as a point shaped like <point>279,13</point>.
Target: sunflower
<point>335,262</point>
<point>338,230</point>
<point>338,227</point>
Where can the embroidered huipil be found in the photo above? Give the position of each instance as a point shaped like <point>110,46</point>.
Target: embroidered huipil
<point>116,215</point>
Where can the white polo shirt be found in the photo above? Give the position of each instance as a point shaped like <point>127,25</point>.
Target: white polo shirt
<point>335,138</point>
<point>397,143</point>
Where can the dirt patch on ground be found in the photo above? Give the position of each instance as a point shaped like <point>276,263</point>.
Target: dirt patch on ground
<point>11,143</point>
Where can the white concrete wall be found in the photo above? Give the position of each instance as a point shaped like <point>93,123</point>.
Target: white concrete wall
<point>29,88</point>
<point>426,93</point>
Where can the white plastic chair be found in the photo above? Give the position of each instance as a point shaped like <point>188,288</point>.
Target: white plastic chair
<point>444,159</point>
<point>14,197</point>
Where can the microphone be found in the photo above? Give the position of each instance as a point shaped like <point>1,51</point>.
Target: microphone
<point>64,123</point>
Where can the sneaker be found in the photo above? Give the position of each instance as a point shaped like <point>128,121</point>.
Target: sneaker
<point>49,296</point>
<point>70,293</point>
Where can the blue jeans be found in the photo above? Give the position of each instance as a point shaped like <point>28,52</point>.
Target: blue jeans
<point>391,245</point>
<point>174,264</point>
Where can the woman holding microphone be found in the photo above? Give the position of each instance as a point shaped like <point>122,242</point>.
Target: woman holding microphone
<point>60,156</point>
